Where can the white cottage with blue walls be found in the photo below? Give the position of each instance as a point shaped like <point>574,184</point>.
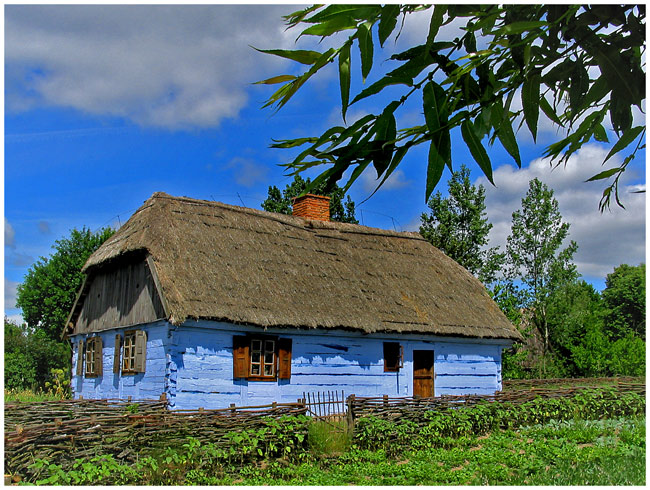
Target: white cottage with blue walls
<point>212,304</point>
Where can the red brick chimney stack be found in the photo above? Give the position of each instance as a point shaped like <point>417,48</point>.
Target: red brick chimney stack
<point>311,206</point>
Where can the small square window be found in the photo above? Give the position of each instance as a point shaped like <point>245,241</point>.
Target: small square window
<point>393,357</point>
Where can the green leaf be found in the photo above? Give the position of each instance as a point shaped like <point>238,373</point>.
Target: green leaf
<point>379,85</point>
<point>530,100</point>
<point>519,27</point>
<point>436,115</point>
<point>278,79</point>
<point>387,22</point>
<point>476,148</point>
<point>436,164</point>
<point>434,25</point>
<point>628,137</point>
<point>503,129</point>
<point>364,35</point>
<point>344,77</point>
<point>600,134</point>
<point>292,143</point>
<point>299,55</point>
<point>328,28</point>
<point>605,174</point>
<point>548,110</point>
<point>343,10</point>
<point>386,132</point>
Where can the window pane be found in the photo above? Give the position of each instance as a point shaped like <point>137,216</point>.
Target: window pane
<point>268,358</point>
<point>268,369</point>
<point>255,357</point>
<point>256,345</point>
<point>269,346</point>
<point>255,369</point>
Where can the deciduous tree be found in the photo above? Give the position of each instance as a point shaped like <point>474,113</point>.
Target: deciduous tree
<point>581,67</point>
<point>533,251</point>
<point>48,291</point>
<point>624,297</point>
<point>458,225</point>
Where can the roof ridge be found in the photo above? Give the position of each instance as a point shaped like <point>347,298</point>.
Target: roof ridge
<point>291,220</point>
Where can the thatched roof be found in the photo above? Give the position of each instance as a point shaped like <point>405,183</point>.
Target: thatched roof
<point>228,263</point>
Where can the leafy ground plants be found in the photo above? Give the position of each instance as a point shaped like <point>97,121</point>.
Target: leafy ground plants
<point>595,438</point>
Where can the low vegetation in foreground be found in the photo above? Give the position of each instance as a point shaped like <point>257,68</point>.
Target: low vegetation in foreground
<point>589,439</point>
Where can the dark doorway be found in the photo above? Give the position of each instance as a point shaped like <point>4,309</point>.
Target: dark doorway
<point>423,373</point>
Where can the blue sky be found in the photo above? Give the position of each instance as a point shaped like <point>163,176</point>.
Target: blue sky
<point>105,105</point>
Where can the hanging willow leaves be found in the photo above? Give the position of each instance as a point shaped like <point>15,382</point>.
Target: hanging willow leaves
<point>579,67</point>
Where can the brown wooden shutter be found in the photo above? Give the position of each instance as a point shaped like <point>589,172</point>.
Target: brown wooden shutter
<point>116,353</point>
<point>240,356</point>
<point>140,351</point>
<point>99,356</point>
<point>284,358</point>
<point>80,358</point>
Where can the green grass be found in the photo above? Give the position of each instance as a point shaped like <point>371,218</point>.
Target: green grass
<point>29,396</point>
<point>610,452</point>
<point>329,438</point>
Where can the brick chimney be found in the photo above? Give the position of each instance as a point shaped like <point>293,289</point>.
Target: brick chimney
<point>311,206</point>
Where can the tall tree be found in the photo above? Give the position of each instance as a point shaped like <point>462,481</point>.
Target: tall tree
<point>48,291</point>
<point>533,251</point>
<point>340,210</point>
<point>458,225</point>
<point>624,297</point>
<point>582,65</point>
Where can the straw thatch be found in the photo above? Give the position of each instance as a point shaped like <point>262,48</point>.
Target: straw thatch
<point>227,263</point>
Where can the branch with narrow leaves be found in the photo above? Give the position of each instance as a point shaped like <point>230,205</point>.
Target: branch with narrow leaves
<point>574,65</point>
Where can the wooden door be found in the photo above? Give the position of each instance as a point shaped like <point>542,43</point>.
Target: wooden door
<point>423,373</point>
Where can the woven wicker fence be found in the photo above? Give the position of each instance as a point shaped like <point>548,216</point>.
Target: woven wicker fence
<point>413,407</point>
<point>63,431</point>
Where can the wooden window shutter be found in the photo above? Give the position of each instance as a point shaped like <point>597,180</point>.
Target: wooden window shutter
<point>99,356</point>
<point>116,353</point>
<point>284,358</point>
<point>240,356</point>
<point>80,358</point>
<point>140,351</point>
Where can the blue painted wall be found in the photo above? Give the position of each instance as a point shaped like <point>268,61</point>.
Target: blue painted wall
<point>141,386</point>
<point>193,365</point>
<point>201,367</point>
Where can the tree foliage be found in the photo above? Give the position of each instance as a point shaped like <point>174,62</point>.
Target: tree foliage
<point>48,291</point>
<point>533,251</point>
<point>458,225</point>
<point>340,210</point>
<point>624,297</point>
<point>30,356</point>
<point>581,65</point>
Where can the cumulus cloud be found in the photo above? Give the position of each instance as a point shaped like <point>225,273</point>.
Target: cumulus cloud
<point>10,235</point>
<point>166,66</point>
<point>248,172</point>
<point>10,294</point>
<point>397,180</point>
<point>606,239</point>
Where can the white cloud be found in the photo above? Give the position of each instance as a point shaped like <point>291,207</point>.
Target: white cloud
<point>10,235</point>
<point>248,172</point>
<point>10,294</point>
<point>17,319</point>
<point>605,240</point>
<point>397,180</point>
<point>165,66</point>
